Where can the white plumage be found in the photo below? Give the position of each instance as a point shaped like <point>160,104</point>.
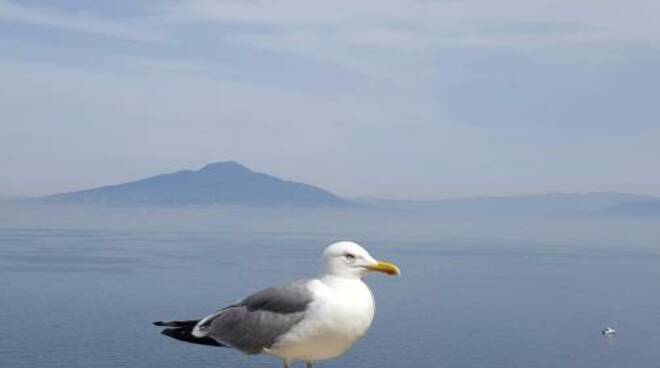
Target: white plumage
<point>340,314</point>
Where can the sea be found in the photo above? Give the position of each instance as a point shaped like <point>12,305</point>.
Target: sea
<point>80,287</point>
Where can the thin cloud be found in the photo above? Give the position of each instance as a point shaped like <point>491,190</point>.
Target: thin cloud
<point>51,17</point>
<point>440,20</point>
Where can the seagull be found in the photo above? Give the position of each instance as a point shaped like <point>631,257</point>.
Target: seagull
<point>308,320</point>
<point>608,331</point>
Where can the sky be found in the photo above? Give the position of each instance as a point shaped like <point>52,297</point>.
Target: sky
<point>372,98</point>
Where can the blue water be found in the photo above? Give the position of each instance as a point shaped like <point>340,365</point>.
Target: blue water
<point>87,297</point>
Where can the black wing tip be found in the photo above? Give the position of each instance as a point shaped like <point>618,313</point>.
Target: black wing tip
<point>171,332</point>
<point>185,334</point>
<point>190,323</point>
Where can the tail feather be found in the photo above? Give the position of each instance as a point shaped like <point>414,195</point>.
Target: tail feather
<point>182,330</point>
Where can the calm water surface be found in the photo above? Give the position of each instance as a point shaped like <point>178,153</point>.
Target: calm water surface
<point>86,298</point>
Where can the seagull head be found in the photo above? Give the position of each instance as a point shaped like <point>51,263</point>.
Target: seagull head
<point>349,259</point>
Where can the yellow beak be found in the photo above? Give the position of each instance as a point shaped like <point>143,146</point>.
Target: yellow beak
<point>385,267</point>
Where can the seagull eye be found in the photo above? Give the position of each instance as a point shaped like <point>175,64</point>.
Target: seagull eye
<point>349,257</point>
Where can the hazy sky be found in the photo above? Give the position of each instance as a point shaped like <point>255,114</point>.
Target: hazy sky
<point>399,99</point>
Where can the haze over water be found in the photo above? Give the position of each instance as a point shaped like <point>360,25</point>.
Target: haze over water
<point>81,286</point>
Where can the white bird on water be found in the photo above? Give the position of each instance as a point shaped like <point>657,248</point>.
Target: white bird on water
<point>308,320</point>
<point>608,331</point>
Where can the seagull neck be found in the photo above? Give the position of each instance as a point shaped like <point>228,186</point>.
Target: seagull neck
<point>330,279</point>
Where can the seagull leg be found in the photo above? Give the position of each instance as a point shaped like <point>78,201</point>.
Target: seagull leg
<point>308,364</point>
<point>286,364</point>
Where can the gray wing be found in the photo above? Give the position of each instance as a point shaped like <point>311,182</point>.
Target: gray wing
<point>257,321</point>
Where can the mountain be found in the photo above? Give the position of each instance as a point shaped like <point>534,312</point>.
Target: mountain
<point>541,204</point>
<point>637,209</point>
<point>217,183</point>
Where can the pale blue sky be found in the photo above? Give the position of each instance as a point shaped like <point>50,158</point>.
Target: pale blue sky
<point>398,99</point>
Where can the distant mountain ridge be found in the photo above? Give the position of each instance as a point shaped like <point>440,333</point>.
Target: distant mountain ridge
<point>636,209</point>
<point>539,204</point>
<point>225,182</point>
<point>230,183</point>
